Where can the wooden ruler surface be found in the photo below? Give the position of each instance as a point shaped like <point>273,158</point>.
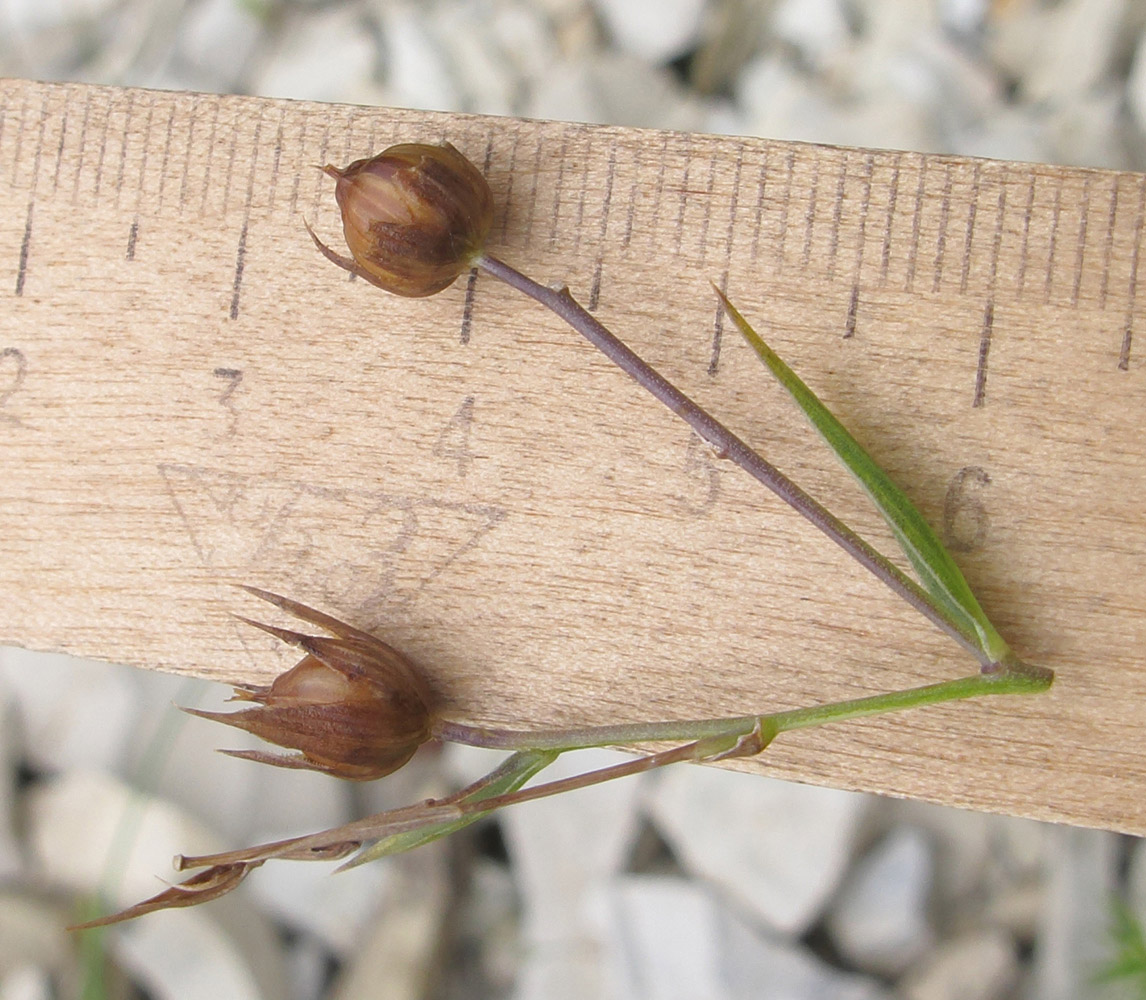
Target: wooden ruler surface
<point>191,398</point>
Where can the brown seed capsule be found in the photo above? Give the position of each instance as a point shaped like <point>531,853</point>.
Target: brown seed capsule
<point>353,706</point>
<point>415,216</point>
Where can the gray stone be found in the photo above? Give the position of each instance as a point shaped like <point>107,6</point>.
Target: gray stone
<point>817,29</point>
<point>35,947</point>
<point>879,920</point>
<point>217,40</point>
<point>319,55</point>
<point>563,850</point>
<point>653,30</point>
<point>979,966</point>
<point>778,849</point>
<point>11,860</point>
<point>398,948</point>
<point>1081,871</point>
<point>89,832</point>
<point>73,712</point>
<point>26,983</point>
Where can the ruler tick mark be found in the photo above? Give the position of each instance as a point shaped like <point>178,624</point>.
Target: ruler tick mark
<point>984,349</point>
<point>853,308</point>
<point>143,160</point>
<point>996,239</point>
<point>471,281</point>
<point>60,149</point>
<point>1025,237</point>
<point>941,240</point>
<point>861,235</point>
<point>1056,214</point>
<point>631,212</point>
<point>231,168</point>
<point>557,189</point>
<point>1132,289</point>
<point>595,288</point>
<point>535,174</point>
<point>785,205</point>
<point>186,163</point>
<point>123,146</point>
<point>682,198</point>
<point>761,183</point>
<point>509,181</point>
<point>1080,250</point>
<point>83,143</point>
<point>916,228</point>
<point>317,194</point>
<point>892,198</point>
<point>210,156</point>
<point>969,233</point>
<point>733,204</point>
<point>837,216</point>
<point>132,234</point>
<point>810,215</point>
<point>276,163</point>
<point>25,247</point>
<point>240,260</point>
<point>166,156</point>
<point>1108,244</point>
<point>704,222</point>
<point>578,224</point>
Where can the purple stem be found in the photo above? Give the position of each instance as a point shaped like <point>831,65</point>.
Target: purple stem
<point>727,444</point>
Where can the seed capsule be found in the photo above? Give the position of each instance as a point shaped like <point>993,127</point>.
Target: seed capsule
<point>415,216</point>
<point>353,706</point>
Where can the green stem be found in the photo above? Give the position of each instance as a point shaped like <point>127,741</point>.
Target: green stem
<point>1006,682</point>
<point>1015,678</point>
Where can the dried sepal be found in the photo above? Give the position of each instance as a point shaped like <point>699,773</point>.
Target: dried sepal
<point>199,888</point>
<point>415,217</point>
<point>354,707</point>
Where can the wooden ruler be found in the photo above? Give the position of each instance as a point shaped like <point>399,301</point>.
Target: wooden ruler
<point>190,397</point>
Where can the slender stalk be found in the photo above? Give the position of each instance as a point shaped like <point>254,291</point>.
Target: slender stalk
<point>730,446</point>
<point>1017,682</point>
<point>742,736</point>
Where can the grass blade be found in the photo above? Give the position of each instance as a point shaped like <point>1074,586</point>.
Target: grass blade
<point>939,575</point>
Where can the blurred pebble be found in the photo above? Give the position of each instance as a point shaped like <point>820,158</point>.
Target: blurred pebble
<point>26,982</point>
<point>1081,879</point>
<point>320,54</point>
<point>218,40</point>
<point>653,30</point>
<point>35,948</point>
<point>817,29</point>
<point>11,860</point>
<point>777,848</point>
<point>562,851</point>
<point>91,834</point>
<point>397,949</point>
<point>879,920</point>
<point>73,712</point>
<point>312,898</point>
<point>982,965</point>
<point>184,955</point>
<point>670,938</point>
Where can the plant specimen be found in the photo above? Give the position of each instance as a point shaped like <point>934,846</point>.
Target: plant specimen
<point>415,217</point>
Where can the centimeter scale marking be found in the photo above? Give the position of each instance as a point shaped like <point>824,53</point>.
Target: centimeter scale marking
<point>812,213</point>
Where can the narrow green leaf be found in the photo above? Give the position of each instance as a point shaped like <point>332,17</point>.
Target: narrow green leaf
<point>509,776</point>
<point>938,574</point>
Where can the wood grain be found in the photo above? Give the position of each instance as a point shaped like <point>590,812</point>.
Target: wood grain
<point>190,398</point>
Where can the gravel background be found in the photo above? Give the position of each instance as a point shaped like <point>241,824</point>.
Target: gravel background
<point>693,883</point>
